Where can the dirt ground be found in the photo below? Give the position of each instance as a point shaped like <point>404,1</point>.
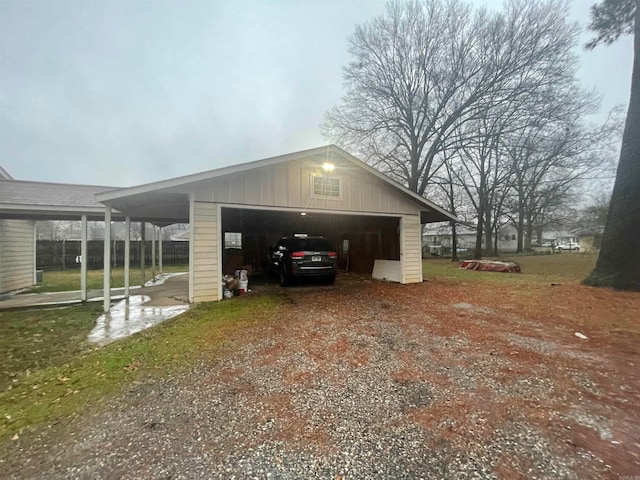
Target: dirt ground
<point>365,379</point>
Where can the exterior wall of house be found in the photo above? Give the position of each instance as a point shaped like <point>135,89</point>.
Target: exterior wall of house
<point>205,256</point>
<point>291,185</point>
<point>17,254</point>
<point>410,249</point>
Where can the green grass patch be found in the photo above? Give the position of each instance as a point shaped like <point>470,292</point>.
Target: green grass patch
<point>556,268</point>
<point>69,279</point>
<point>80,375</point>
<point>31,340</point>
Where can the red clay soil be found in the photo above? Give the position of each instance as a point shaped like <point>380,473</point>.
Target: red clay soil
<point>518,348</point>
<point>365,379</point>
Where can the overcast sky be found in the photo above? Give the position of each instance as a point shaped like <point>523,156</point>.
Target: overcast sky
<point>122,93</point>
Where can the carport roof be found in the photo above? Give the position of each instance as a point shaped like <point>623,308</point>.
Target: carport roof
<point>50,201</point>
<point>137,197</point>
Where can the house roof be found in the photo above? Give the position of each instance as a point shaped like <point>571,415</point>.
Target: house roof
<point>43,200</point>
<point>5,175</point>
<point>331,151</point>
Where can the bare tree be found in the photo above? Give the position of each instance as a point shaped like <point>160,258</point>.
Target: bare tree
<point>550,157</point>
<point>424,69</point>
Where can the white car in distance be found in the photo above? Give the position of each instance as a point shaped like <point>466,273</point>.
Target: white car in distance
<point>569,246</point>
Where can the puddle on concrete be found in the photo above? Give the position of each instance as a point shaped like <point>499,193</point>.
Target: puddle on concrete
<point>130,316</point>
<point>160,279</point>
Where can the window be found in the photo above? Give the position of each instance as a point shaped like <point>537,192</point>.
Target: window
<point>513,237</point>
<point>326,186</point>
<point>232,240</point>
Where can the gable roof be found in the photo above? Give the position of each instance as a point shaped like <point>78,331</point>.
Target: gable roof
<point>329,151</point>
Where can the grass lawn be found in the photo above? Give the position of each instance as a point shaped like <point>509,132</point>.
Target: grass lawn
<point>69,279</point>
<point>48,371</point>
<point>556,268</point>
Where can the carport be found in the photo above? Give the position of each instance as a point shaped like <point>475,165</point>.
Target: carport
<point>235,213</point>
<point>359,239</point>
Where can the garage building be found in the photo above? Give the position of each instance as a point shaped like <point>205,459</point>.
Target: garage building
<point>323,191</point>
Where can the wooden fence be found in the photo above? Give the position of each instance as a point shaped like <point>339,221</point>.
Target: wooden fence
<point>61,254</point>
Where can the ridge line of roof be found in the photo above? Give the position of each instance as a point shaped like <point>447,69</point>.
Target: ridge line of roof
<point>269,161</point>
<point>209,174</point>
<point>14,181</point>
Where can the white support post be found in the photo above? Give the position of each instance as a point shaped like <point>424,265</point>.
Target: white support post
<point>83,259</point>
<point>153,251</point>
<point>107,258</point>
<point>35,253</point>
<point>127,254</point>
<point>143,228</point>
<point>160,251</point>
<point>192,222</point>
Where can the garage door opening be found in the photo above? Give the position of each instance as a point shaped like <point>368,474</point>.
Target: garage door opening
<point>358,239</point>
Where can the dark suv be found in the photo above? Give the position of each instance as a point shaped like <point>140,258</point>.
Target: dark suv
<point>303,257</point>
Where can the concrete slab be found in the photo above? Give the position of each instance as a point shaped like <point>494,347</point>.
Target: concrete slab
<point>172,291</point>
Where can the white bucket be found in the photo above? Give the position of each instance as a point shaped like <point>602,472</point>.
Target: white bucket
<point>242,286</point>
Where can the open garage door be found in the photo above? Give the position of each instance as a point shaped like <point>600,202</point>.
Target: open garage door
<point>358,239</point>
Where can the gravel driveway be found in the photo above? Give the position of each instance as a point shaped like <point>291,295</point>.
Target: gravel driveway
<point>370,380</point>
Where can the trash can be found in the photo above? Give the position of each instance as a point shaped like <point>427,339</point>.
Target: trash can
<point>243,281</point>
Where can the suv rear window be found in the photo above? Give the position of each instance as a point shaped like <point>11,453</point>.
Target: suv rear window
<point>309,244</point>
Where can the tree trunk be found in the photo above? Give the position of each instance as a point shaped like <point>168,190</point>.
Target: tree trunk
<point>454,242</point>
<point>488,228</point>
<point>618,264</point>
<point>477,252</point>
<point>520,232</point>
<point>528,236</point>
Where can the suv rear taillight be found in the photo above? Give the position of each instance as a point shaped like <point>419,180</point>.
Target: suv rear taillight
<point>333,255</point>
<point>297,254</point>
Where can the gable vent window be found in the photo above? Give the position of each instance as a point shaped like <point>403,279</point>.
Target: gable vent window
<point>325,186</point>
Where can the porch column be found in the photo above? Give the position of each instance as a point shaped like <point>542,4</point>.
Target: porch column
<point>192,223</point>
<point>143,228</point>
<point>35,253</point>
<point>127,254</point>
<point>83,259</point>
<point>160,251</point>
<point>153,251</point>
<point>107,258</point>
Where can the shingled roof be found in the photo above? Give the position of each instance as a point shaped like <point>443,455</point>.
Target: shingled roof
<point>43,200</point>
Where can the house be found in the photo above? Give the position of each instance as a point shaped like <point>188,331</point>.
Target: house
<point>322,191</point>
<point>22,203</point>
<point>17,250</point>
<point>437,239</point>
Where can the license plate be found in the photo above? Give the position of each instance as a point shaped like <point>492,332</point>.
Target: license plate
<point>316,258</point>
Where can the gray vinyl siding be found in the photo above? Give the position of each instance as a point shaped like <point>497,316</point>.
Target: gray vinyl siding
<point>411,249</point>
<point>17,254</point>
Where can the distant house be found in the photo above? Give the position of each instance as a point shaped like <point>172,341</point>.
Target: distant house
<point>437,239</point>
<point>17,251</point>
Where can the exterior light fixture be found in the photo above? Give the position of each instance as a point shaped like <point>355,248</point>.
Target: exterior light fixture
<point>328,167</point>
<point>303,214</point>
